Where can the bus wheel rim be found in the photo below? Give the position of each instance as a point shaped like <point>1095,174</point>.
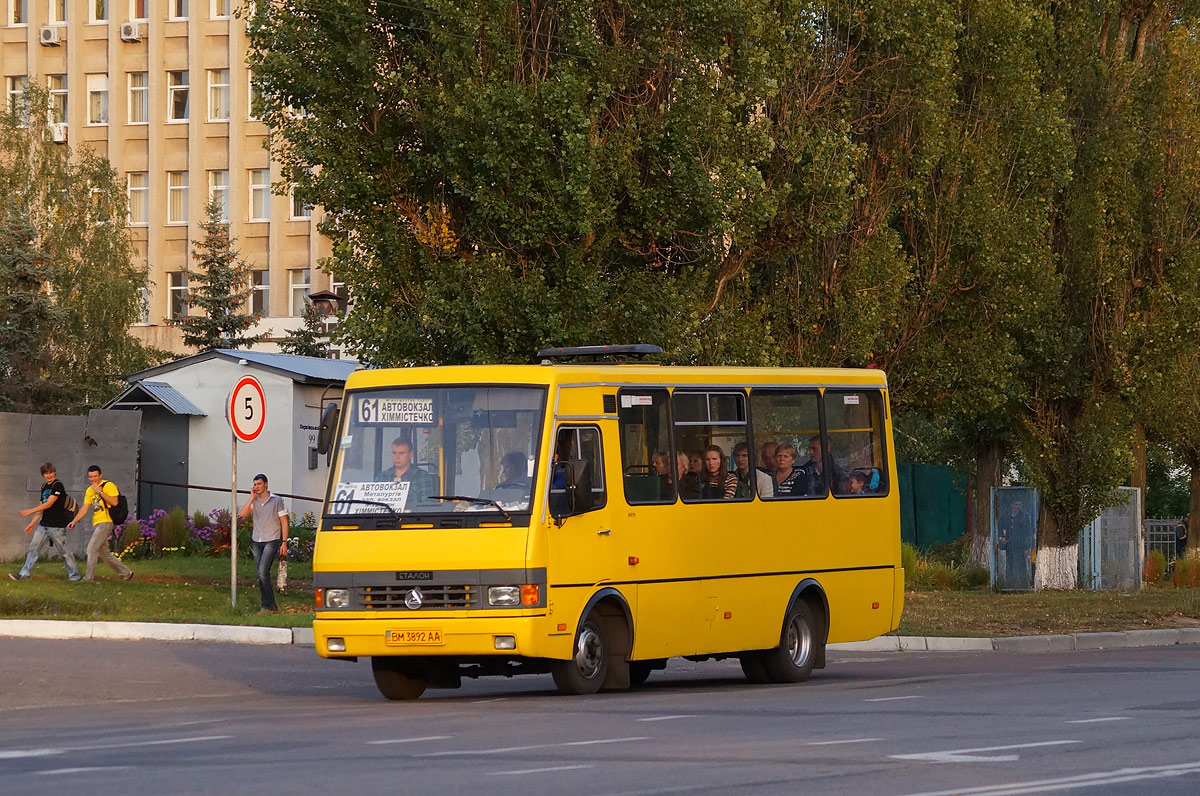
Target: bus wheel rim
<point>799,640</point>
<point>589,653</point>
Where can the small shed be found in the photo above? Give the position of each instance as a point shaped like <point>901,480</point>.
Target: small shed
<point>187,445</point>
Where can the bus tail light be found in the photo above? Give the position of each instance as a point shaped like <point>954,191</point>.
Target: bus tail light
<point>531,594</point>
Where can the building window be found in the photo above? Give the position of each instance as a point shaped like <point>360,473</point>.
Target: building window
<point>139,198</point>
<point>15,86</point>
<point>137,11</point>
<point>139,97</point>
<point>301,209</point>
<point>218,188</point>
<point>260,293</point>
<point>177,96</point>
<point>299,289</point>
<point>219,9</point>
<point>18,12</point>
<point>260,195</point>
<point>218,95</point>
<point>58,12</point>
<point>252,94</point>
<point>177,197</point>
<point>58,98</point>
<point>177,289</point>
<point>97,87</point>
<point>98,11</point>
<point>179,9</point>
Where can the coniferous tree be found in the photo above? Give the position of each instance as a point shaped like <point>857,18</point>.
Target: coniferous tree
<point>218,285</point>
<point>28,317</point>
<point>310,339</point>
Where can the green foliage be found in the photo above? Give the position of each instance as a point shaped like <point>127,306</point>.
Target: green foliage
<point>61,217</point>
<point>1186,573</point>
<point>218,286</point>
<point>1168,484</point>
<point>310,339</point>
<point>171,531</point>
<point>976,578</point>
<point>909,556</point>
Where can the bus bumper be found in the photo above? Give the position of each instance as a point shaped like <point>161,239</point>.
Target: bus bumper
<point>453,637</point>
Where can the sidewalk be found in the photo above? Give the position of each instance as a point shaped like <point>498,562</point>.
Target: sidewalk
<point>249,634</point>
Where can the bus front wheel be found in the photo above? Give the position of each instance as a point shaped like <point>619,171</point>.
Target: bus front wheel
<point>584,673</point>
<point>792,661</point>
<point>395,680</point>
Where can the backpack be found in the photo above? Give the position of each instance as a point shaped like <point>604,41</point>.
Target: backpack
<point>69,505</point>
<point>120,512</point>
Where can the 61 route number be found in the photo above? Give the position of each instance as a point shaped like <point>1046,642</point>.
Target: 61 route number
<point>247,409</point>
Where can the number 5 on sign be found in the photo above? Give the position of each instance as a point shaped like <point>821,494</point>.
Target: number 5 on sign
<point>247,409</point>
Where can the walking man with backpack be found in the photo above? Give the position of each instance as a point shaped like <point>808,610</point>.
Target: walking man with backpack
<point>55,514</point>
<point>102,499</point>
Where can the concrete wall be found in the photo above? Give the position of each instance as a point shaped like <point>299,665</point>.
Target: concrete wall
<point>109,439</point>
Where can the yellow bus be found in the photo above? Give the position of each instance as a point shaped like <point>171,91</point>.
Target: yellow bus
<point>592,518</point>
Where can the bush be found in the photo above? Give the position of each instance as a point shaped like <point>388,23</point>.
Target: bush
<point>1155,567</point>
<point>977,578</point>
<point>1186,574</point>
<point>941,576</point>
<point>909,557</point>
<point>171,532</point>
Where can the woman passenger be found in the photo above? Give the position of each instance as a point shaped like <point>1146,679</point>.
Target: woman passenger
<point>786,477</point>
<point>716,483</point>
<point>689,482</point>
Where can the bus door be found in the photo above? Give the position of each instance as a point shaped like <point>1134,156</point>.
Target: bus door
<point>584,547</point>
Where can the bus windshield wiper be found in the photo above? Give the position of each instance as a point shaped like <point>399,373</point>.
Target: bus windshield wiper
<point>482,501</point>
<point>389,510</point>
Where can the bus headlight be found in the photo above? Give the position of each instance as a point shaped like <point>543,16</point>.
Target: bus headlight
<point>337,598</point>
<point>504,595</point>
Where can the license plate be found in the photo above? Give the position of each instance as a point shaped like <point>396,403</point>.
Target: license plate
<point>405,638</point>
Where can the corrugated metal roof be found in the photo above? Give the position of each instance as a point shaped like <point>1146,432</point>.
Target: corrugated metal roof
<point>157,392</point>
<point>315,368</point>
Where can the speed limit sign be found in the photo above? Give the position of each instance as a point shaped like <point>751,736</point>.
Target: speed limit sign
<point>247,409</point>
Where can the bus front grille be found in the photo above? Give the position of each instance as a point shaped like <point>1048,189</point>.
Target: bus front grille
<point>393,598</point>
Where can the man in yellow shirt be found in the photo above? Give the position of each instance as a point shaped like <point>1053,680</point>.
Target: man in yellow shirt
<point>100,496</point>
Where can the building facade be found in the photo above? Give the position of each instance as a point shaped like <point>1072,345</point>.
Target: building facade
<point>161,88</point>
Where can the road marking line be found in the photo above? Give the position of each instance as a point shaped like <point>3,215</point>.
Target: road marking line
<point>486,701</point>
<point>19,753</point>
<point>410,740</point>
<point>893,699</point>
<point>505,749</point>
<point>969,756</point>
<point>1096,721</point>
<point>79,770</point>
<point>537,770</point>
<point>667,718</point>
<point>848,740</point>
<point>1116,777</point>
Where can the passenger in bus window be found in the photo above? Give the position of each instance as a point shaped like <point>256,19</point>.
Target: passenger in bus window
<point>513,466</point>
<point>421,483</point>
<point>741,469</point>
<point>659,461</point>
<point>696,463</point>
<point>812,481</point>
<point>717,483</point>
<point>785,480</point>
<point>767,456</point>
<point>689,482</point>
<point>856,483</point>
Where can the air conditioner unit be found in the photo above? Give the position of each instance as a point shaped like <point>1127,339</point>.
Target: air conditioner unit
<point>131,31</point>
<point>51,36</point>
<point>58,132</point>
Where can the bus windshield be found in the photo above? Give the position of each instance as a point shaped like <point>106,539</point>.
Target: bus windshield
<point>402,448</point>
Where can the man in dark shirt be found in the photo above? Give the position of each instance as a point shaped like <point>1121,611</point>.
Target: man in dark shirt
<point>420,483</point>
<point>812,472</point>
<point>54,518</point>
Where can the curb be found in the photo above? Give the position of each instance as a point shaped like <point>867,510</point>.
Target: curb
<point>253,634</point>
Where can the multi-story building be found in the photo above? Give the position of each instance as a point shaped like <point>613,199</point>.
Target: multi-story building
<point>161,88</point>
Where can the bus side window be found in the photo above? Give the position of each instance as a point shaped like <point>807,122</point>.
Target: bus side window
<point>785,422</point>
<point>854,426</point>
<point>647,464</point>
<point>578,443</point>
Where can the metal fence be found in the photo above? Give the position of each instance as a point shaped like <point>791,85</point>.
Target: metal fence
<point>1160,535</point>
<point>1110,546</point>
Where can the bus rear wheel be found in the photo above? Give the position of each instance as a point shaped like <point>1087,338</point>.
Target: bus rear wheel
<point>396,680</point>
<point>792,661</point>
<point>754,667</point>
<point>584,673</point>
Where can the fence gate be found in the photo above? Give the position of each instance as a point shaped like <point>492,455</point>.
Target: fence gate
<point>1014,537</point>
<point>1110,546</point>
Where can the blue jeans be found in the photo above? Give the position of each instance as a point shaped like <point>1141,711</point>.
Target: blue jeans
<point>264,557</point>
<point>59,537</point>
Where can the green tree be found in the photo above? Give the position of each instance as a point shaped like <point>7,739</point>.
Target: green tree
<point>310,339</point>
<point>219,286</point>
<point>73,205</point>
<point>29,320</point>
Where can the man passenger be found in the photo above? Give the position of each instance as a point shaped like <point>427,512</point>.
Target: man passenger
<point>420,483</point>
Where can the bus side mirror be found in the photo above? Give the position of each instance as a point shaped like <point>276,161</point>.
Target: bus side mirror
<point>329,420</point>
<point>574,478</point>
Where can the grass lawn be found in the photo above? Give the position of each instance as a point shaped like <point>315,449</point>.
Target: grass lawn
<point>171,589</point>
<point>196,589</point>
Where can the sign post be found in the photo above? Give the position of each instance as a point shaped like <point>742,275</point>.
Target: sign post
<point>246,411</point>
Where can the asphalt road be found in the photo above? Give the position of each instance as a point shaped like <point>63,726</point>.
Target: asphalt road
<point>100,717</point>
